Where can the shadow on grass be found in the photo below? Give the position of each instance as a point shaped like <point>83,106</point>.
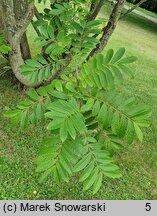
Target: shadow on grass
<point>141,22</point>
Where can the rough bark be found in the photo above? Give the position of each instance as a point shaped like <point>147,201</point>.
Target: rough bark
<point>13,32</point>
<point>20,8</point>
<point>131,9</point>
<point>109,28</point>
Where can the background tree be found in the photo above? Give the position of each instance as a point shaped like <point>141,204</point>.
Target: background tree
<point>133,8</point>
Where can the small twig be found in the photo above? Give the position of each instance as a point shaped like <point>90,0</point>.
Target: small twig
<point>131,9</point>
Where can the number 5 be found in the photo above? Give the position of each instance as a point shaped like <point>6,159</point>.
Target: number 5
<point>148,207</point>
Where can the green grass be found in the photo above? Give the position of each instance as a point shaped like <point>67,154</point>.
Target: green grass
<point>138,162</point>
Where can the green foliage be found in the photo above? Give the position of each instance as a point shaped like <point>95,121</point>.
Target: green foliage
<point>64,32</point>
<point>36,69</point>
<point>4,48</point>
<point>88,119</point>
<point>66,117</point>
<point>124,117</point>
<point>101,72</point>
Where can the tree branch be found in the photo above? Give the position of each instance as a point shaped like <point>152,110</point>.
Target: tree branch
<point>109,28</point>
<point>20,8</point>
<point>131,9</point>
<point>96,10</point>
<point>107,31</point>
<point>22,24</point>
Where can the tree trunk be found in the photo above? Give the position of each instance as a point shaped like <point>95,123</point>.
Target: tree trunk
<point>13,31</point>
<point>20,8</point>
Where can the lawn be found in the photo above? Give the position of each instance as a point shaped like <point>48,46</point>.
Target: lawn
<point>138,162</point>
